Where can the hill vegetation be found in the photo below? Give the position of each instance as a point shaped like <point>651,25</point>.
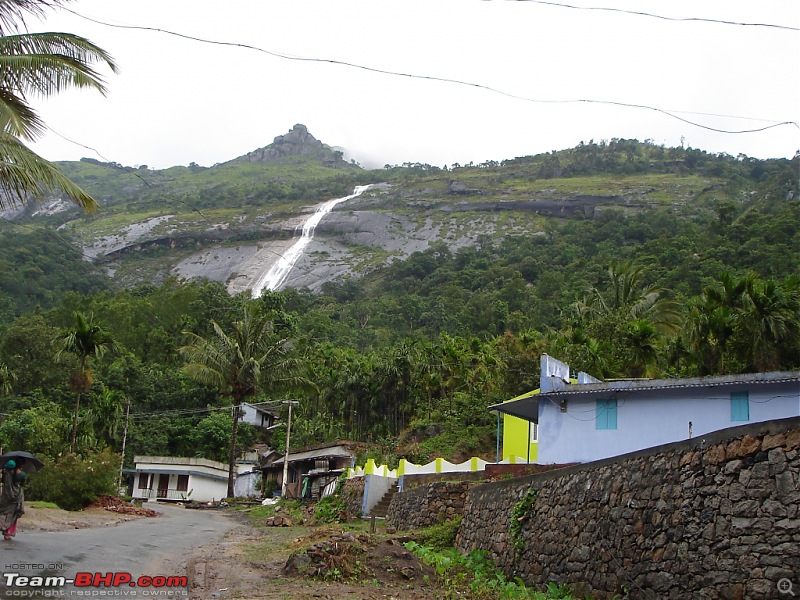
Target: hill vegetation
<point>650,261</point>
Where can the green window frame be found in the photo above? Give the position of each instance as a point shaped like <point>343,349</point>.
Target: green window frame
<point>606,414</point>
<point>740,407</point>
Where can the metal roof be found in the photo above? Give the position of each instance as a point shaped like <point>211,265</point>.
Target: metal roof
<point>332,452</point>
<point>526,406</point>
<point>649,385</point>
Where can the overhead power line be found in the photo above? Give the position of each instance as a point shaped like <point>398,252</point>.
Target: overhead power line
<point>669,113</point>
<point>662,17</point>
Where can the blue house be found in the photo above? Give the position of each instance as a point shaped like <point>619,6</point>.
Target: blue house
<point>592,419</point>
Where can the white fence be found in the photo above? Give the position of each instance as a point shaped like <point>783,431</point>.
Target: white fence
<point>438,465</point>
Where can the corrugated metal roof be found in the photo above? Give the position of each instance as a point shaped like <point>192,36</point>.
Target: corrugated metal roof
<point>332,452</point>
<point>646,385</point>
<point>526,406</point>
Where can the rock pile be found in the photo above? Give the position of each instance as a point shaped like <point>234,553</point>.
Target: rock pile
<point>119,505</point>
<point>348,555</point>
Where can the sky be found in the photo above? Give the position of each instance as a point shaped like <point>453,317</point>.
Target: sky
<point>478,80</point>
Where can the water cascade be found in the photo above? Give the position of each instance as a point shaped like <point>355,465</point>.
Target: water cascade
<point>279,271</point>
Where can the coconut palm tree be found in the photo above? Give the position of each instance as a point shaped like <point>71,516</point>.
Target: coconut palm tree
<point>628,293</point>
<point>251,359</point>
<point>86,340</point>
<point>38,64</point>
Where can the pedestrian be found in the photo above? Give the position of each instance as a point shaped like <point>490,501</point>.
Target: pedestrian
<point>12,498</point>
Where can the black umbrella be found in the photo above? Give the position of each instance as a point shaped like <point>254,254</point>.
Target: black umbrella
<point>29,463</point>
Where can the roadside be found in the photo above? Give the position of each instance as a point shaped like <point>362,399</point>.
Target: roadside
<point>104,513</point>
<point>255,561</point>
<point>326,562</point>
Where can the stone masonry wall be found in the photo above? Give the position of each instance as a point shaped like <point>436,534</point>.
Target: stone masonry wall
<point>712,517</point>
<point>353,493</point>
<point>427,505</point>
<point>412,481</point>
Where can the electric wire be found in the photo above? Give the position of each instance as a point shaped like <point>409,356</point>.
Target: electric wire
<point>285,56</point>
<point>661,17</point>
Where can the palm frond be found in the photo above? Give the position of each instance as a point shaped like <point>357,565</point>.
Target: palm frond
<point>43,64</point>
<point>17,118</point>
<point>24,174</point>
<point>13,12</point>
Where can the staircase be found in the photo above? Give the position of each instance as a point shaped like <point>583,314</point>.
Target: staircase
<point>382,507</point>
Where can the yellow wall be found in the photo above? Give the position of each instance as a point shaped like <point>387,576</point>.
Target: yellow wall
<point>515,439</point>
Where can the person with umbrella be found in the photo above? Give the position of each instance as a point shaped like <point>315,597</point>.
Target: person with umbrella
<point>12,498</point>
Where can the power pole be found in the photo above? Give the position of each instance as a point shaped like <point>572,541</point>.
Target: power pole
<point>286,453</point>
<point>232,456</point>
<point>124,439</point>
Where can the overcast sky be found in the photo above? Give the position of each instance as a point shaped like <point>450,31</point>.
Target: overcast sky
<point>177,101</point>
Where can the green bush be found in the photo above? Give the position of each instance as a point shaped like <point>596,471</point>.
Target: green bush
<point>73,482</point>
<point>331,509</point>
<point>441,536</point>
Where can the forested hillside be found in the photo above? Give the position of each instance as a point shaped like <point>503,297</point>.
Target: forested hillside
<point>692,269</point>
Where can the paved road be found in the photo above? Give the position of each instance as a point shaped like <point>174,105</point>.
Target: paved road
<point>146,546</point>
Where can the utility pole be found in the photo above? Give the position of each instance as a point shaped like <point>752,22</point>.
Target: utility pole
<point>232,456</point>
<point>286,454</point>
<point>124,439</point>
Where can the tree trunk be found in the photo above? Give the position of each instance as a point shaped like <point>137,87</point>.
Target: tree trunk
<point>75,423</point>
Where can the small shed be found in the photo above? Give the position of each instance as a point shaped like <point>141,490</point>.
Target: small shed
<point>310,470</point>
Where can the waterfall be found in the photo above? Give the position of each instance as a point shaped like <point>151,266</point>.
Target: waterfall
<point>279,271</point>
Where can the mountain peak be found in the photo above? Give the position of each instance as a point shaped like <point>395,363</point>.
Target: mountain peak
<point>297,142</point>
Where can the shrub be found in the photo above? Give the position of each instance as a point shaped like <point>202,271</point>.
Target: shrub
<point>330,509</point>
<point>441,536</point>
<point>74,482</point>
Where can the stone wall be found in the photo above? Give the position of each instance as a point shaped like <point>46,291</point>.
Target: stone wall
<point>712,517</point>
<point>427,505</point>
<point>353,494</point>
<point>413,481</point>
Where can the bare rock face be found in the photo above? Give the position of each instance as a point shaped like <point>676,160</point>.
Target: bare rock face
<point>298,142</point>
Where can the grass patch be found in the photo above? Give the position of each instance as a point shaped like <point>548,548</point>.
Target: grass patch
<point>41,504</point>
<point>476,576</point>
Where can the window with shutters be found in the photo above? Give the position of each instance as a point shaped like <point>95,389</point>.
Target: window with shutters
<point>740,406</point>
<point>607,414</point>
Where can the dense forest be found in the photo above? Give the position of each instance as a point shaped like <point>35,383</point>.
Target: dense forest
<point>407,357</point>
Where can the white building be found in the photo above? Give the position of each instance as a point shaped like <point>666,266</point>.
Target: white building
<point>179,479</point>
<point>257,416</point>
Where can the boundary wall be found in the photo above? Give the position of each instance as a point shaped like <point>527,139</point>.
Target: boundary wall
<point>711,517</point>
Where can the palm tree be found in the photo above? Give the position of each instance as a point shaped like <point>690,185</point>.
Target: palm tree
<point>84,341</point>
<point>770,316</point>
<point>254,358</point>
<point>106,416</point>
<point>744,323</point>
<point>629,293</point>
<point>38,64</point>
<point>641,337</point>
<point>7,378</point>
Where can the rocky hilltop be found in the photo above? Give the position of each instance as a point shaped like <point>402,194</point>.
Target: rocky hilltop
<point>297,142</point>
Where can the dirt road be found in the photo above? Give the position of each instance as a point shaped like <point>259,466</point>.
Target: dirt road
<point>139,547</point>
<point>221,554</point>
